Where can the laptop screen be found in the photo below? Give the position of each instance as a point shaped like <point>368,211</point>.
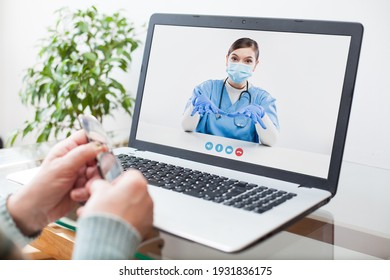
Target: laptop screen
<point>269,98</point>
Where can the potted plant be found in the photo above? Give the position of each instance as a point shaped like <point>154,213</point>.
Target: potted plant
<point>74,73</point>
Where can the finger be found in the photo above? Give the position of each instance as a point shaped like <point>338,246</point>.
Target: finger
<point>222,112</point>
<point>79,211</point>
<point>258,119</point>
<point>201,111</point>
<point>261,111</point>
<point>79,137</point>
<point>82,170</point>
<point>92,162</point>
<point>63,147</point>
<point>232,115</point>
<point>95,176</point>
<point>91,172</point>
<point>98,185</point>
<point>207,110</point>
<point>79,156</point>
<point>254,119</point>
<point>194,111</point>
<point>132,179</point>
<point>257,112</point>
<point>89,183</point>
<point>261,123</point>
<point>215,109</point>
<point>192,101</point>
<point>79,195</point>
<point>80,182</point>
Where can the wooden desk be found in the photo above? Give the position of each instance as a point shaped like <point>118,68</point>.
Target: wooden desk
<point>55,242</point>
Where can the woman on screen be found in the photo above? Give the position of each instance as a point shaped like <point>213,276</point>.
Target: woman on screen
<point>234,107</point>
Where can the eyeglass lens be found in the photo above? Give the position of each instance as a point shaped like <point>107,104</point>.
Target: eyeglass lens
<point>108,165</point>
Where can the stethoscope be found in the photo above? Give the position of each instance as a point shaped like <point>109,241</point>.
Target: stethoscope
<point>238,121</point>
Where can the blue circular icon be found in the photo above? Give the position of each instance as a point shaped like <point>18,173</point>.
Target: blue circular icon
<point>229,150</point>
<point>219,148</point>
<point>209,146</point>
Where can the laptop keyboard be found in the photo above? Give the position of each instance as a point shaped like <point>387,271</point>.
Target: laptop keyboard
<point>227,191</point>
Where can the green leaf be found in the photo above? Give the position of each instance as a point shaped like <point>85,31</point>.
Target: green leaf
<point>134,44</point>
<point>106,107</point>
<point>12,138</point>
<point>82,26</point>
<point>74,56</point>
<point>127,55</point>
<point>117,85</point>
<point>75,101</point>
<point>123,64</point>
<point>84,104</point>
<point>27,130</point>
<point>108,19</point>
<point>90,56</point>
<point>44,136</point>
<point>57,77</point>
<point>46,71</point>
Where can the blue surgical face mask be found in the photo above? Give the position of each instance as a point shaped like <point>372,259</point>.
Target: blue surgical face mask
<point>239,72</point>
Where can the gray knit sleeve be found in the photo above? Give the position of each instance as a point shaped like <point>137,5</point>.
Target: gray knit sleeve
<point>104,236</point>
<point>9,228</point>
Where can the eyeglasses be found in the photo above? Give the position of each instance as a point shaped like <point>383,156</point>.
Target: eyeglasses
<point>108,165</point>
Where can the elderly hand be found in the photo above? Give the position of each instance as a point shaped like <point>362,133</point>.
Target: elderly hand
<point>126,197</point>
<point>53,192</point>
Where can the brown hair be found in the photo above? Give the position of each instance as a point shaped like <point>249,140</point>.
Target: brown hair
<point>245,43</point>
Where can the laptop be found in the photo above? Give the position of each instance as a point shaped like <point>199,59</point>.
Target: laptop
<point>309,68</point>
<point>209,185</point>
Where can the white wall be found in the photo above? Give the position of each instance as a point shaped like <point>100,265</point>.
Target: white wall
<point>23,22</point>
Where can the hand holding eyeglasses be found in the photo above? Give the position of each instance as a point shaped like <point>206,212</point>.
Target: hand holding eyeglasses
<point>57,187</point>
<point>132,201</point>
<point>108,165</point>
<point>127,189</point>
<point>68,175</point>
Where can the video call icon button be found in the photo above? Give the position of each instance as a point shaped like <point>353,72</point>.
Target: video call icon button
<point>209,146</point>
<point>219,148</point>
<point>229,150</point>
<point>239,152</point>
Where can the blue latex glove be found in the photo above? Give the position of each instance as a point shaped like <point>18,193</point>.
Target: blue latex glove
<point>254,112</point>
<point>203,105</point>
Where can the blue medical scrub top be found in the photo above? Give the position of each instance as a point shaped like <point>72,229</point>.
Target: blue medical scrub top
<point>226,126</point>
